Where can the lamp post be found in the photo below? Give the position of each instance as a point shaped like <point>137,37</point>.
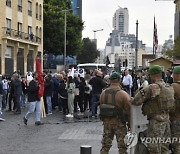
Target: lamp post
<point>96,31</point>
<point>65,27</point>
<point>95,40</point>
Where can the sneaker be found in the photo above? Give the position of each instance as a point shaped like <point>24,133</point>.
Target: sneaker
<point>71,116</point>
<point>1,119</point>
<point>68,115</point>
<point>49,113</point>
<point>25,121</point>
<point>38,123</point>
<point>17,112</point>
<point>94,116</point>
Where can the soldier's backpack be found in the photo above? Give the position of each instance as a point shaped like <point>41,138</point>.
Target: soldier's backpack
<point>163,102</point>
<point>109,109</point>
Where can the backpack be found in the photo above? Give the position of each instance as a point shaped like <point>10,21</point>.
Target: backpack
<point>109,109</point>
<point>163,102</point>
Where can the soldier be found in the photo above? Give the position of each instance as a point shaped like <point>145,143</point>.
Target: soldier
<point>113,101</point>
<point>175,117</point>
<point>157,100</point>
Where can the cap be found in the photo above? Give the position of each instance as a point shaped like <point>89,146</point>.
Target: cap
<point>156,69</point>
<point>176,70</point>
<point>114,75</point>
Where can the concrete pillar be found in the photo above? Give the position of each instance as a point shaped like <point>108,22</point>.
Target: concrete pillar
<point>4,46</point>
<point>26,51</point>
<point>16,49</point>
<point>35,56</point>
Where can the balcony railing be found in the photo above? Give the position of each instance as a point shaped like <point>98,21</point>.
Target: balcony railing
<point>7,32</point>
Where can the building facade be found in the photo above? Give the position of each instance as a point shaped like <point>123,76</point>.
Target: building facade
<point>21,35</point>
<point>123,47</point>
<point>177,19</point>
<point>121,20</point>
<point>124,52</point>
<point>77,8</point>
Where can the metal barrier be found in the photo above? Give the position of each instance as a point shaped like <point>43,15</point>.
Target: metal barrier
<point>85,149</point>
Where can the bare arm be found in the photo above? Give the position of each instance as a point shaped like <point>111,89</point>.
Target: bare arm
<point>127,106</point>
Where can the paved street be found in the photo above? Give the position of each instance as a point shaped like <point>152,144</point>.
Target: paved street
<point>55,136</point>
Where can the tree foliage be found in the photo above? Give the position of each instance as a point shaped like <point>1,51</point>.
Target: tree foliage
<point>54,28</point>
<point>89,52</point>
<point>175,53</point>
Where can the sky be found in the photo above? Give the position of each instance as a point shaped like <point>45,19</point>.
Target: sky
<point>98,14</point>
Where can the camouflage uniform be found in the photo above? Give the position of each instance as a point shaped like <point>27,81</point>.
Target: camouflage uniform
<point>109,131</point>
<point>114,126</point>
<point>175,119</point>
<point>159,125</point>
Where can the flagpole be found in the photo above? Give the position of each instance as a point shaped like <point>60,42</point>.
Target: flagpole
<point>153,35</point>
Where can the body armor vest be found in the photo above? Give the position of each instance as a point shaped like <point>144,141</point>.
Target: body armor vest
<point>164,102</point>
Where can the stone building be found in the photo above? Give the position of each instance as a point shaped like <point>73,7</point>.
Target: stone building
<point>21,35</point>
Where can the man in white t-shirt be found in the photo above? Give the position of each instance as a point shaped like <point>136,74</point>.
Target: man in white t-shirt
<point>127,82</point>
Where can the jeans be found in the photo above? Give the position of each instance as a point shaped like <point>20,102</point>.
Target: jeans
<point>23,100</point>
<point>4,99</point>
<point>95,102</point>
<point>34,105</point>
<point>54,100</point>
<point>1,105</point>
<point>49,104</point>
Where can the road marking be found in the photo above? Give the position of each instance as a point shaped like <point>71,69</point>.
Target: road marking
<point>87,132</point>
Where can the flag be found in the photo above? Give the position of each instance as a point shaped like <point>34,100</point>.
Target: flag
<point>41,85</point>
<point>155,38</point>
<point>40,77</point>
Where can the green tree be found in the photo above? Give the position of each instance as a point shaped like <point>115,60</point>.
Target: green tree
<point>54,28</point>
<point>89,52</point>
<point>176,50</point>
<point>175,53</point>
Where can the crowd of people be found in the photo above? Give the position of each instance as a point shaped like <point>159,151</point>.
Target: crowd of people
<point>68,94</point>
<point>77,94</point>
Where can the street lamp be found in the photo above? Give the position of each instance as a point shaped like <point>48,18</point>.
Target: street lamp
<point>65,26</point>
<point>95,40</point>
<point>96,31</point>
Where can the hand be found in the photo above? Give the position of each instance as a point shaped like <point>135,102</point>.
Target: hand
<point>131,100</point>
